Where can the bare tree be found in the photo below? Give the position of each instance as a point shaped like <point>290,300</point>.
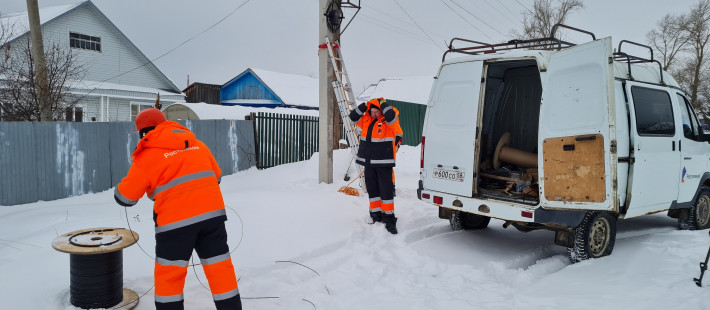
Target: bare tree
<point>691,72</point>
<point>671,38</point>
<point>538,23</point>
<point>19,89</point>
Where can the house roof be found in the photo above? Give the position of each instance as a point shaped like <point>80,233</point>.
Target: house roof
<point>19,25</point>
<point>19,22</point>
<point>292,89</point>
<point>406,89</point>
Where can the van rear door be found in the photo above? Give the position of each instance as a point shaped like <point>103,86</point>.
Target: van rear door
<point>576,130</point>
<point>450,129</point>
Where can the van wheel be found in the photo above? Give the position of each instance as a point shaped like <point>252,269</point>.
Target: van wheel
<point>464,220</point>
<point>594,237</point>
<point>699,214</point>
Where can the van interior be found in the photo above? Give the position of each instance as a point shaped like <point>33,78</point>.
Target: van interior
<point>508,150</point>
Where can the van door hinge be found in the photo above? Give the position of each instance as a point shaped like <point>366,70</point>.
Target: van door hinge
<point>611,60</point>
<point>483,80</point>
<point>612,146</point>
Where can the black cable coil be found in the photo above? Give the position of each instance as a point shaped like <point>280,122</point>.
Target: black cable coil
<point>96,280</point>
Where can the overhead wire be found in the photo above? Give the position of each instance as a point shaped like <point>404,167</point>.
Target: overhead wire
<point>393,28</point>
<point>479,19</point>
<point>514,19</point>
<point>524,6</point>
<point>152,61</point>
<point>415,22</point>
<point>466,20</point>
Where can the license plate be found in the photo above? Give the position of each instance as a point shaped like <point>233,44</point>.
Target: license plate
<point>449,175</point>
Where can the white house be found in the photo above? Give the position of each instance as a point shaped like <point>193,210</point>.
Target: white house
<point>119,80</point>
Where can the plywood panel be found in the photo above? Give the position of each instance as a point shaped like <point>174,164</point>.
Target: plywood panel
<point>574,168</point>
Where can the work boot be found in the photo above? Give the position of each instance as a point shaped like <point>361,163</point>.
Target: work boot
<point>376,216</point>
<point>390,223</point>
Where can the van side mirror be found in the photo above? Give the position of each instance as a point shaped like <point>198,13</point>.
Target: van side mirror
<point>686,129</point>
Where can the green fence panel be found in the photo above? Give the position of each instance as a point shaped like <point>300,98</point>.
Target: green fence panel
<point>411,119</point>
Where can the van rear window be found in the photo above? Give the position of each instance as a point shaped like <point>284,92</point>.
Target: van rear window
<point>654,112</point>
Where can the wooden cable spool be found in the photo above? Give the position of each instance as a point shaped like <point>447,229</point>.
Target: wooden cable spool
<point>96,262</point>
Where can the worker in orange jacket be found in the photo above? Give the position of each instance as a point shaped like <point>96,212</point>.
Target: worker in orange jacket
<point>379,141</point>
<point>180,174</point>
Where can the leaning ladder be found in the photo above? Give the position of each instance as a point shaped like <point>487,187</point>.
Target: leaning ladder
<point>346,101</point>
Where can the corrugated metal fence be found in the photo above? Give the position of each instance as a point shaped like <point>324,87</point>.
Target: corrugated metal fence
<point>47,161</point>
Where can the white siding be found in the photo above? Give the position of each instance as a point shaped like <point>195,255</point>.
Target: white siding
<point>117,55</point>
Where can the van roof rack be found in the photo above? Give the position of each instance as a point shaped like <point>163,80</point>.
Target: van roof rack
<point>632,59</point>
<point>550,43</point>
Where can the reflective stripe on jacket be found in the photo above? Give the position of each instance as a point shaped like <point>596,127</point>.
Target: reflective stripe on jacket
<point>379,137</point>
<point>179,173</point>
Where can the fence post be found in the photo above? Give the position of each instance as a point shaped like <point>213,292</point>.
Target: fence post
<point>301,139</point>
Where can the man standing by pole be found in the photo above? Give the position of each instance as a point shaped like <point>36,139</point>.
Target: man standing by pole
<point>180,174</point>
<point>379,141</point>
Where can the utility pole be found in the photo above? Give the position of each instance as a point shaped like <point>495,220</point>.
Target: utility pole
<point>40,66</point>
<point>326,100</point>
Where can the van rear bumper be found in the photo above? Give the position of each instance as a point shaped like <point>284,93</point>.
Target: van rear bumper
<point>503,210</point>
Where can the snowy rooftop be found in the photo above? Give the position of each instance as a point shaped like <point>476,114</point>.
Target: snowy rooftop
<point>90,85</point>
<point>407,89</point>
<point>214,111</point>
<point>293,89</point>
<point>20,23</point>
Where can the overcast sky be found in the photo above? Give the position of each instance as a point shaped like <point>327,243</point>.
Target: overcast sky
<point>387,38</point>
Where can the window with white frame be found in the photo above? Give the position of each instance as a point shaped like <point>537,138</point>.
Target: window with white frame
<point>137,107</point>
<point>74,114</point>
<point>85,42</point>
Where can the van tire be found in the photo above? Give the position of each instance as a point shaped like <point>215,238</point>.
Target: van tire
<point>594,237</point>
<point>699,213</point>
<point>464,220</point>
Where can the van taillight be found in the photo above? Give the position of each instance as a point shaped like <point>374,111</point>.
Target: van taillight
<point>422,157</point>
<point>438,200</point>
<point>426,196</point>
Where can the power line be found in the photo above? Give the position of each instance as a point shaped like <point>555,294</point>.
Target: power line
<point>476,17</point>
<point>393,28</point>
<point>514,19</point>
<point>415,22</point>
<point>525,7</point>
<point>171,50</point>
<point>404,21</point>
<point>466,20</point>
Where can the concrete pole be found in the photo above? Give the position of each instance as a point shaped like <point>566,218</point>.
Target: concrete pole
<point>326,101</point>
<point>40,66</point>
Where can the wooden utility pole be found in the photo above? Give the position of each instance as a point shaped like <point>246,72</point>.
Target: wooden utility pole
<point>40,66</point>
<point>327,118</point>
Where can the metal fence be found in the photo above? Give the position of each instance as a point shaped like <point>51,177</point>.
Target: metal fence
<point>284,138</point>
<point>47,161</point>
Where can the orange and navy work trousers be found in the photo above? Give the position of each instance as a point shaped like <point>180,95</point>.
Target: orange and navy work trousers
<point>173,249</point>
<point>380,189</point>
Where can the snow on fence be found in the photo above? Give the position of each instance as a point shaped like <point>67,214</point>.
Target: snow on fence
<point>47,161</point>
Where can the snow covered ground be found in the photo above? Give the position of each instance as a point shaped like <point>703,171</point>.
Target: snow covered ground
<point>285,215</point>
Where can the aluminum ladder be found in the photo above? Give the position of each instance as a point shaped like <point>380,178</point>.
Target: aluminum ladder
<point>346,101</point>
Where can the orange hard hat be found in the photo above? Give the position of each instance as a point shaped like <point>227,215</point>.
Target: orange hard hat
<point>150,117</point>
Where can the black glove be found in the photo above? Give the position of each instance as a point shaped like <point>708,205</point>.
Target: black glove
<point>362,107</point>
<point>397,141</point>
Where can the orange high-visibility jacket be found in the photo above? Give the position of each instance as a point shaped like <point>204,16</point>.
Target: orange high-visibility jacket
<point>179,173</point>
<point>380,138</point>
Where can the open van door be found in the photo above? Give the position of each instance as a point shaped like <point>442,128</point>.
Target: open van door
<point>450,129</point>
<point>577,138</point>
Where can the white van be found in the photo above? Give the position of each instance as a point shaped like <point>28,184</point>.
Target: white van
<point>564,137</point>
